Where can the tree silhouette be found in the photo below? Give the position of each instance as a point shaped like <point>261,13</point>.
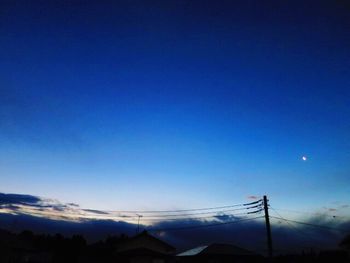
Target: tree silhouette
<point>345,243</point>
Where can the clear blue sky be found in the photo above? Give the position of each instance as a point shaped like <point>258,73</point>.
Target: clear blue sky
<point>164,104</point>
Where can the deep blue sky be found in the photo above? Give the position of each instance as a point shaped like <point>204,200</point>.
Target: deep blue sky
<point>164,104</point>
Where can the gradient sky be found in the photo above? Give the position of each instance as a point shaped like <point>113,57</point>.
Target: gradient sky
<point>173,104</point>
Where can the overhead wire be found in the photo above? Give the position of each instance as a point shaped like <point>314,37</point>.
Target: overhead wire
<point>85,213</point>
<point>182,210</point>
<point>311,213</point>
<point>201,226</point>
<point>103,213</point>
<point>303,233</point>
<point>196,218</point>
<point>201,213</point>
<point>313,225</point>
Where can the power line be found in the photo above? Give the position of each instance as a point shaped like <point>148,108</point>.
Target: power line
<point>201,213</point>
<point>174,214</point>
<point>255,202</point>
<point>200,217</point>
<point>181,210</point>
<point>83,213</point>
<point>310,213</point>
<point>309,224</point>
<point>202,226</point>
<point>295,228</point>
<point>135,218</point>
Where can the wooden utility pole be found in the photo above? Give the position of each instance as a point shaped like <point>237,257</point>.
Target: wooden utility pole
<point>268,227</point>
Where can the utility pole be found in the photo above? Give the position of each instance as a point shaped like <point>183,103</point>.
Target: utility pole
<point>268,227</point>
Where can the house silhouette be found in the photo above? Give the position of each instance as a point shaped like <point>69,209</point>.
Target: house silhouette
<point>218,253</point>
<point>144,248</point>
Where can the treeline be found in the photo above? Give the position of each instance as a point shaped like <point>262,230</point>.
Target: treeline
<point>29,247</point>
<point>40,248</point>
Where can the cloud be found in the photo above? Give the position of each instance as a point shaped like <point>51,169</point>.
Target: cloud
<point>253,197</point>
<point>73,204</point>
<point>34,205</point>
<point>18,199</point>
<point>29,204</point>
<point>92,229</point>
<point>225,218</point>
<point>9,207</point>
<point>96,211</point>
<point>248,234</point>
<point>20,212</point>
<point>43,207</point>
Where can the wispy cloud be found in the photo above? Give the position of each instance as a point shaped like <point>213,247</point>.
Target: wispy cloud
<point>19,199</point>
<point>253,197</point>
<point>47,215</point>
<point>95,211</point>
<point>52,209</point>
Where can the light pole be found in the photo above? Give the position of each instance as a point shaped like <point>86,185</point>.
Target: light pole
<point>138,223</point>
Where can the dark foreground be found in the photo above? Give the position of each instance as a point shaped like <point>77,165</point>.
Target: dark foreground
<point>142,248</point>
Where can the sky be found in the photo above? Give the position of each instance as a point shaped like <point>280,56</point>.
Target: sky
<point>176,104</point>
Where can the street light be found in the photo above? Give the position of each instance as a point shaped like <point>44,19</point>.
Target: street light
<point>138,222</point>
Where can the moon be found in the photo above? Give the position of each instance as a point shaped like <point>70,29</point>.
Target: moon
<point>304,158</point>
